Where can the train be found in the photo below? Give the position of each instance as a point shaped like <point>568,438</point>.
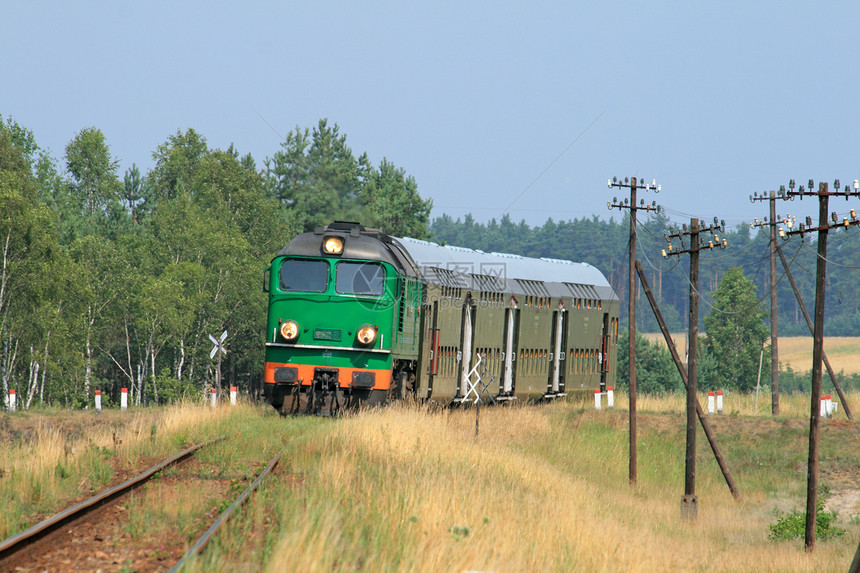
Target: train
<point>360,318</point>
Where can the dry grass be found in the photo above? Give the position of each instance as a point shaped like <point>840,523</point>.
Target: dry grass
<point>843,352</point>
<point>738,404</point>
<point>542,489</point>
<point>51,458</point>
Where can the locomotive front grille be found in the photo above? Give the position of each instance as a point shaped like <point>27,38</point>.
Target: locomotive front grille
<point>286,375</point>
<point>363,379</point>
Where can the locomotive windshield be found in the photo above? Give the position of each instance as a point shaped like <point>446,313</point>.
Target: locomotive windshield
<point>304,275</point>
<point>359,278</point>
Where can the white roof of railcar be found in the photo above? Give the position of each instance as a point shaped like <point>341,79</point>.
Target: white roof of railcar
<point>503,265</point>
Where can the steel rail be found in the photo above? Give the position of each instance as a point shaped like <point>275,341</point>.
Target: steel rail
<point>43,528</point>
<point>205,538</point>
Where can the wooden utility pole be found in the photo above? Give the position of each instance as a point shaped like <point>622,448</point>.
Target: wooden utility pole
<point>774,337</point>
<point>823,227</point>
<point>855,563</point>
<point>690,503</point>
<point>631,294</point>
<point>806,317</point>
<point>682,370</point>
<point>817,345</point>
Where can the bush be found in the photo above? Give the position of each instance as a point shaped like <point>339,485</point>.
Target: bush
<point>793,525</point>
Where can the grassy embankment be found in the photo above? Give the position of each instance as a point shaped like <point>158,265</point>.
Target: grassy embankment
<point>541,488</point>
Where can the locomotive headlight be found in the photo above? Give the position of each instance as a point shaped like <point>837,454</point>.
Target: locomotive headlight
<point>333,245</point>
<point>366,335</point>
<point>290,330</point>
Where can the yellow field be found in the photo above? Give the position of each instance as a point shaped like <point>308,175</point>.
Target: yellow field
<point>796,351</point>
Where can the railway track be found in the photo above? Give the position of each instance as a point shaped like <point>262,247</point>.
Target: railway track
<point>79,537</point>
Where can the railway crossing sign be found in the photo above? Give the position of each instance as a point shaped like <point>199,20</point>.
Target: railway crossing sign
<point>220,351</point>
<point>219,344</point>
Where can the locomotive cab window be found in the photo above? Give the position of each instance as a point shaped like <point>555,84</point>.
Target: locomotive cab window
<point>359,278</point>
<point>304,275</point>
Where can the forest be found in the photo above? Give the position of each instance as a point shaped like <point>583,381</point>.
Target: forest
<point>113,280</point>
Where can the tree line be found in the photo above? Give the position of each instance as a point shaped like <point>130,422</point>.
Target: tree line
<point>603,243</point>
<point>110,281</point>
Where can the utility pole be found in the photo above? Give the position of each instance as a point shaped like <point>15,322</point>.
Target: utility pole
<point>809,324</point>
<point>682,370</point>
<point>633,185</point>
<point>774,352</point>
<point>689,503</point>
<point>823,227</point>
<point>790,221</point>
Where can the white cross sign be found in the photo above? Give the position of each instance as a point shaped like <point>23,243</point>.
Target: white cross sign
<point>219,344</point>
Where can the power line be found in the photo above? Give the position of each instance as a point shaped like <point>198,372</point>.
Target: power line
<point>553,162</point>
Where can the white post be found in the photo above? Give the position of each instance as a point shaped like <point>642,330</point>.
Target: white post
<point>597,399</point>
<point>233,391</point>
<point>719,401</point>
<point>710,403</point>
<point>11,400</point>
<point>823,410</point>
<point>829,406</point>
<point>98,400</point>
<point>123,399</point>
<point>610,397</point>
<point>213,400</point>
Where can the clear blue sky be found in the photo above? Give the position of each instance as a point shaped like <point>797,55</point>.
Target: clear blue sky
<point>527,107</point>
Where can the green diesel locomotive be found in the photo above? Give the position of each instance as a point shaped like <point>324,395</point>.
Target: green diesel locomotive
<point>358,317</point>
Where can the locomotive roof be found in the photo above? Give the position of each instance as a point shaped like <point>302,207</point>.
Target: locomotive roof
<point>458,266</point>
<point>359,242</point>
